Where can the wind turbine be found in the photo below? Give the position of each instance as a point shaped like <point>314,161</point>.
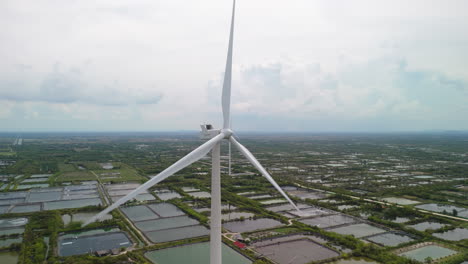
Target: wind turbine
<point>213,145</point>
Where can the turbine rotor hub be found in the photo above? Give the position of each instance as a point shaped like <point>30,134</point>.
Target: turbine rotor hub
<point>227,132</point>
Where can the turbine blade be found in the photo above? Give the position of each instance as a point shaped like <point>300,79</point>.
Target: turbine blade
<point>190,158</point>
<point>260,168</point>
<point>226,96</point>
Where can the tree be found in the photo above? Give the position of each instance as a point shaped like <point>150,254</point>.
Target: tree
<point>455,212</point>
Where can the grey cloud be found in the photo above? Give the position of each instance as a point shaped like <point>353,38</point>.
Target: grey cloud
<point>72,86</point>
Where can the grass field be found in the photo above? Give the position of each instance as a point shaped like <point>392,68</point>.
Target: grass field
<point>75,176</point>
<point>7,153</point>
<point>121,172</point>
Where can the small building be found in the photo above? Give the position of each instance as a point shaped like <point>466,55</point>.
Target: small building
<point>239,245</point>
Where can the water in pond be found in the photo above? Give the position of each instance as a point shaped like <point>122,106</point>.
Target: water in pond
<point>177,233</point>
<point>358,230</point>
<point>40,175</point>
<point>262,196</point>
<point>165,223</point>
<point>390,239</point>
<point>274,201</point>
<point>432,251</point>
<point>44,196</point>
<point>400,220</point>
<point>166,209</point>
<point>427,225</point>
<point>307,195</point>
<point>198,253</point>
<point>13,222</point>
<point>139,213</point>
<point>33,180</point>
<point>168,195</point>
<point>8,257</point>
<point>89,244</point>
<point>286,207</point>
<point>308,212</point>
<point>355,261</point>
<point>346,207</point>
<point>402,201</point>
<point>190,189</point>
<point>296,251</point>
<point>328,221</point>
<point>200,194</point>
<point>11,201</point>
<point>7,242</point>
<point>251,225</point>
<point>11,231</point>
<point>440,208</point>
<point>56,205</point>
<point>26,208</point>
<point>4,209</point>
<point>29,186</point>
<point>456,234</point>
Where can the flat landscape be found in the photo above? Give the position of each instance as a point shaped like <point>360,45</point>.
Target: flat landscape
<point>363,198</point>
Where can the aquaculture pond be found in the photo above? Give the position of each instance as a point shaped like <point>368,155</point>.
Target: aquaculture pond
<point>26,208</point>
<point>165,223</point>
<point>390,239</point>
<point>308,212</point>
<point>249,225</point>
<point>354,261</point>
<point>432,251</point>
<point>427,225</point>
<point>66,204</point>
<point>8,241</point>
<point>200,194</point>
<point>179,233</point>
<point>286,207</point>
<point>198,253</point>
<point>328,221</point>
<point>294,251</point>
<point>162,222</point>
<point>8,257</point>
<point>440,208</point>
<point>72,196</point>
<point>456,234</point>
<point>358,230</point>
<point>302,194</point>
<point>401,201</point>
<point>84,244</point>
<point>167,195</point>
<point>274,201</point>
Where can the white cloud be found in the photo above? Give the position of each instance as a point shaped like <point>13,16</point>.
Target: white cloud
<point>330,64</point>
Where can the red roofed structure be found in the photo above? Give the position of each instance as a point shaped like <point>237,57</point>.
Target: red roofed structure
<point>239,245</point>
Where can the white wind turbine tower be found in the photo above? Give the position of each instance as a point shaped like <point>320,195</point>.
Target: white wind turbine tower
<point>213,145</point>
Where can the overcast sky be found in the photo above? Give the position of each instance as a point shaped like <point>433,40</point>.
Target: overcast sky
<point>299,65</point>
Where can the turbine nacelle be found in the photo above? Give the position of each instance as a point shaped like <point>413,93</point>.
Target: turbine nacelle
<point>208,131</point>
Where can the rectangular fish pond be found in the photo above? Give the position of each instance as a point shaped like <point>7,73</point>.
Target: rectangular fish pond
<point>249,225</point>
<point>390,239</point>
<point>90,242</point>
<point>163,222</point>
<point>294,251</point>
<point>456,234</point>
<point>358,230</point>
<point>433,251</point>
<point>198,253</point>
<point>328,221</point>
